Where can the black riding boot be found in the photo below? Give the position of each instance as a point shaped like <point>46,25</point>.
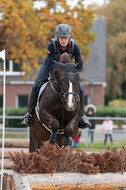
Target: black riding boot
<point>84,121</point>
<point>27,119</point>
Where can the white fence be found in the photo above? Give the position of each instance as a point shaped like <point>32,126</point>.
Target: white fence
<point>118,134</point>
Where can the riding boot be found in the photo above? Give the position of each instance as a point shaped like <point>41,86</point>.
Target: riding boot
<point>84,121</point>
<point>28,119</point>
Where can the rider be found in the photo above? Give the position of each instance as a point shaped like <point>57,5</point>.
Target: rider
<point>63,43</point>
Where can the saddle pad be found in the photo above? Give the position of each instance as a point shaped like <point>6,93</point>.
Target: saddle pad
<point>41,90</point>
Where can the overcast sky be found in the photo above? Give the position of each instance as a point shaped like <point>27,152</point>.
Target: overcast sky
<point>73,2</point>
<point>88,2</point>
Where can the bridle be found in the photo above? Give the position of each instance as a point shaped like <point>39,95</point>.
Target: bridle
<point>62,94</point>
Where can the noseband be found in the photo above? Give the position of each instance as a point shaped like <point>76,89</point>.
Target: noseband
<point>62,94</point>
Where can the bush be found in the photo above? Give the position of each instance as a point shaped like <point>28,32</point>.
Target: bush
<point>118,103</point>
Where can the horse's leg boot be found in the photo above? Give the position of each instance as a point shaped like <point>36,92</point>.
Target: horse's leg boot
<point>84,121</point>
<point>53,137</point>
<point>28,119</point>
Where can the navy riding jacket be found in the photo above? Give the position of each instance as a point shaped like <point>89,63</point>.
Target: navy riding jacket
<point>51,55</point>
<point>48,64</point>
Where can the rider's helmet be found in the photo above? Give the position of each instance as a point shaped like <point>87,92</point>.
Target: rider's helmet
<point>63,30</point>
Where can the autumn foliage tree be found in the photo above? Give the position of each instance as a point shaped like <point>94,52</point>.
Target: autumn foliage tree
<point>115,15</point>
<point>25,31</point>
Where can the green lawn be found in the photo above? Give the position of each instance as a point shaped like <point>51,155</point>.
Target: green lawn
<point>14,136</point>
<point>98,145</point>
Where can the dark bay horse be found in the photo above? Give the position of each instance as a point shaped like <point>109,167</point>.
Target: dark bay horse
<point>57,113</point>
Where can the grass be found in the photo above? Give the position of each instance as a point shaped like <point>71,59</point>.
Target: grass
<point>14,136</point>
<point>98,145</point>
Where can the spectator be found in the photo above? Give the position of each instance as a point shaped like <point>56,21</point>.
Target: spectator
<point>76,140</point>
<point>91,111</point>
<point>107,128</point>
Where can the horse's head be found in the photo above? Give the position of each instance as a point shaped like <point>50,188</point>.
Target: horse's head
<point>66,78</point>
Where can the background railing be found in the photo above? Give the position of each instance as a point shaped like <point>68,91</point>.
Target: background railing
<point>119,134</point>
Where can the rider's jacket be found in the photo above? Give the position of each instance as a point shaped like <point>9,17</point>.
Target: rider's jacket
<point>52,54</point>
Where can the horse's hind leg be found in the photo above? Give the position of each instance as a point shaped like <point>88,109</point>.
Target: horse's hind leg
<point>32,144</point>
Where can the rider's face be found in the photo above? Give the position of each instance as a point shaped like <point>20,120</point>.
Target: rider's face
<point>64,41</point>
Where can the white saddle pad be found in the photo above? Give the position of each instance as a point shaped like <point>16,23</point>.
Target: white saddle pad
<point>41,90</point>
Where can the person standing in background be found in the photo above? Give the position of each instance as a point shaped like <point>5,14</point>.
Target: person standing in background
<point>76,140</point>
<point>107,128</point>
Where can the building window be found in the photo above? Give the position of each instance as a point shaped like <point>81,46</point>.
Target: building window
<point>12,66</point>
<point>1,101</point>
<point>22,100</point>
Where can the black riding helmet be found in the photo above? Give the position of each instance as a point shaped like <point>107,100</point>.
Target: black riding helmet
<point>63,30</point>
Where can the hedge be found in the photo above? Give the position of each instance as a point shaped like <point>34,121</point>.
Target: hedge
<point>101,112</point>
<point>14,112</point>
<point>110,111</point>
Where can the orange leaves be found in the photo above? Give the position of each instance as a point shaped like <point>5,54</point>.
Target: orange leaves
<point>25,32</point>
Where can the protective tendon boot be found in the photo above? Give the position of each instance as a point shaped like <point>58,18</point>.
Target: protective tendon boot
<point>53,137</point>
<point>27,119</point>
<point>84,121</point>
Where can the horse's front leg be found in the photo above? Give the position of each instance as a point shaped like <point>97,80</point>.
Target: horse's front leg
<point>48,119</point>
<point>71,130</point>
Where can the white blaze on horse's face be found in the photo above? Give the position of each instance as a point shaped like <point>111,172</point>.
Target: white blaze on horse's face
<point>70,103</point>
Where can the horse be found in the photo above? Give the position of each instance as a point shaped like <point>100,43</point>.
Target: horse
<point>57,114</point>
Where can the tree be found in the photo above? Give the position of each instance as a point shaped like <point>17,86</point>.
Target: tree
<point>19,31</point>
<point>115,15</point>
<point>25,31</point>
<point>80,20</point>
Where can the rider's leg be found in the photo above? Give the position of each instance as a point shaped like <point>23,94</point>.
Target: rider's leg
<point>43,73</point>
<point>84,121</point>
<point>27,120</point>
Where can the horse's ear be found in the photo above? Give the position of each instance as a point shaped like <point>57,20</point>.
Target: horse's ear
<point>55,74</point>
<point>79,65</point>
<point>61,65</point>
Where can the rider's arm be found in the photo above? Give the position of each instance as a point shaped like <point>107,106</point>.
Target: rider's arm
<point>50,56</point>
<point>77,55</point>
